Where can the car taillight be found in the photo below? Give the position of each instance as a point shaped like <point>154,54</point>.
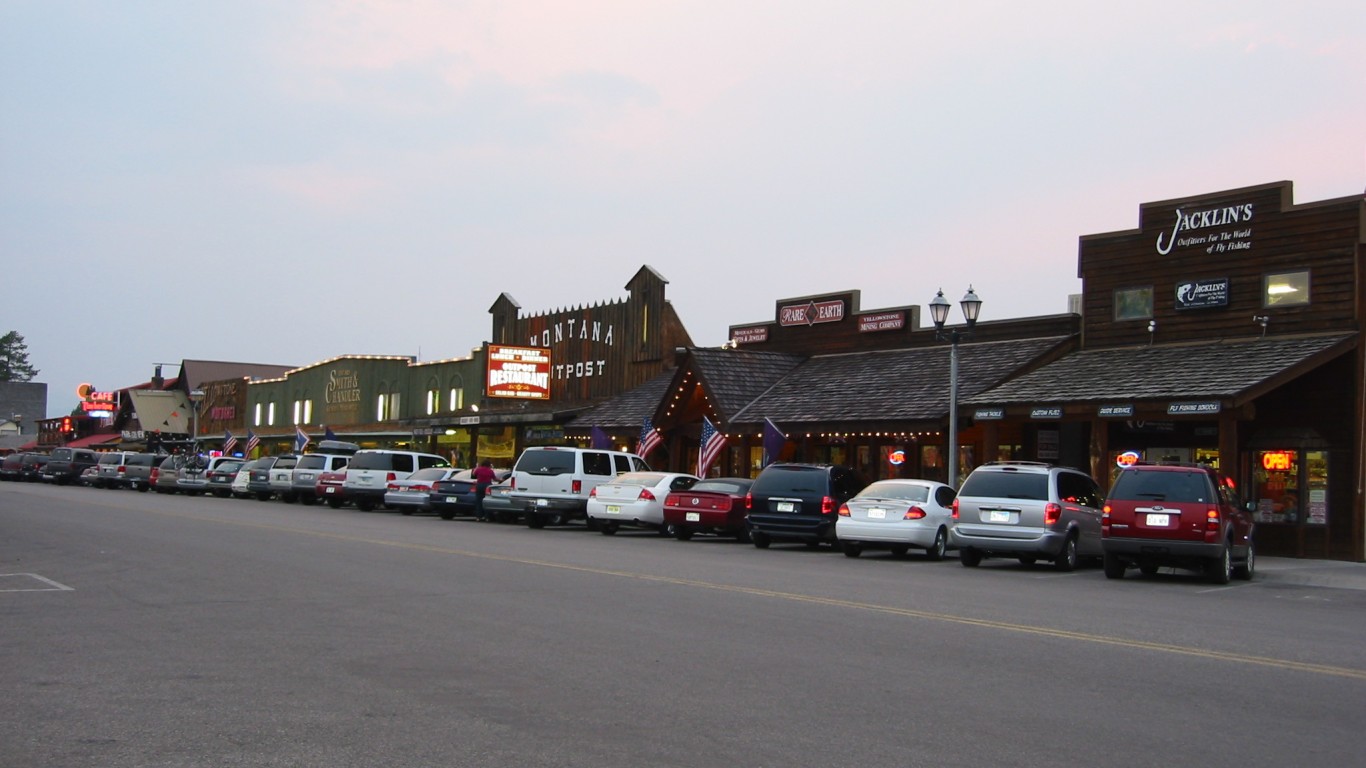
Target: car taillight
<point>422,488</point>
<point>844,510</point>
<point>391,477</point>
<point>1105,520</point>
<point>122,470</point>
<point>155,471</point>
<point>1051,513</point>
<point>827,505</point>
<point>646,495</point>
<point>393,486</point>
<point>671,500</point>
<point>512,484</point>
<point>955,509</point>
<point>749,501</point>
<point>593,494</point>
<point>1212,519</point>
<point>577,487</point>
<point>914,513</point>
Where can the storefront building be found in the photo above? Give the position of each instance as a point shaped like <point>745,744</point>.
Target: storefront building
<point>1224,330</point>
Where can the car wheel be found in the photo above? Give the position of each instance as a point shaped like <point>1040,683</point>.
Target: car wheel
<point>682,532</point>
<point>334,503</point>
<point>365,505</point>
<point>141,488</point>
<point>447,514</point>
<point>287,498</point>
<point>1148,569</point>
<point>1027,559</point>
<point>1067,558</point>
<point>1248,567</point>
<point>534,520</point>
<point>851,548</point>
<point>263,496</point>
<point>760,540</point>
<point>406,511</point>
<point>970,558</point>
<point>1114,567</point>
<point>307,501</point>
<point>940,545</point>
<point>900,550</point>
<point>221,494</point>
<point>607,529</point>
<point>742,536</point>
<point>1220,569</point>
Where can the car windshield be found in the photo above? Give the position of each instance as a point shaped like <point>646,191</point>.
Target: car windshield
<point>434,473</point>
<point>996,484</point>
<point>1162,486</point>
<point>893,490</point>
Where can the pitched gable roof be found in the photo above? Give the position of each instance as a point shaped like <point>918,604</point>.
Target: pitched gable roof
<point>735,377</point>
<point>626,410</point>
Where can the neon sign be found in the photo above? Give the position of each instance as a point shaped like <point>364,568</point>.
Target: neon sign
<point>896,458</point>
<point>1278,461</point>
<point>1127,459</point>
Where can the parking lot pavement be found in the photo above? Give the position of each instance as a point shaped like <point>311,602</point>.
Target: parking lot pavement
<point>1335,574</point>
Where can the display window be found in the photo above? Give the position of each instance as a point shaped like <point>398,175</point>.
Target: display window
<point>1291,487</point>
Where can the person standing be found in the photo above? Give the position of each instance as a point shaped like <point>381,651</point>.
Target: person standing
<point>483,476</point>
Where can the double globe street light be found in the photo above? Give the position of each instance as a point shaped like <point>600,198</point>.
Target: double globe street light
<point>939,312</point>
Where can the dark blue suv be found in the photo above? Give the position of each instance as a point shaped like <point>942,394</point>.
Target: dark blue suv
<point>798,502</point>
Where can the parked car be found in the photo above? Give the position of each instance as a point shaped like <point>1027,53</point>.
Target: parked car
<point>370,471</point>
<point>1179,516</point>
<point>108,468</point>
<point>331,488</point>
<point>281,478</point>
<point>798,502</point>
<point>499,504</point>
<point>221,477</point>
<point>136,470</point>
<point>31,467</point>
<point>712,505</point>
<point>88,476</point>
<point>9,468</point>
<point>413,493</point>
<point>65,465</point>
<point>1027,510</point>
<point>635,499</point>
<point>241,483</point>
<point>165,476</point>
<point>898,515</point>
<point>192,478</point>
<point>455,494</point>
<point>552,483</point>
<point>258,480</point>
<point>331,456</point>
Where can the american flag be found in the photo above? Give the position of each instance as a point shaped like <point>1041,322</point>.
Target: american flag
<point>328,434</point>
<point>229,442</point>
<point>301,439</point>
<point>252,441</point>
<point>713,442</point>
<point>649,439</point>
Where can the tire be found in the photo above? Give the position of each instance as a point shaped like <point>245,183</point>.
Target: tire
<point>447,514</point>
<point>760,540</point>
<point>1066,560</point>
<point>607,529</point>
<point>307,500</point>
<point>1248,568</point>
<point>666,530</point>
<point>1027,559</point>
<point>900,550</point>
<point>682,533</point>
<point>334,503</point>
<point>263,495</point>
<point>365,505</point>
<point>142,488</point>
<point>970,558</point>
<point>939,547</point>
<point>742,536</point>
<point>288,498</point>
<point>406,511</point>
<point>1114,567</point>
<point>222,494</point>
<point>851,548</point>
<point>1220,569</point>
<point>534,520</point>
<point>1148,569</point>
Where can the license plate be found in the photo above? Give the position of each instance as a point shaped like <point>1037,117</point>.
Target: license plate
<point>997,516</point>
<point>451,499</point>
<point>542,502</point>
<point>613,509</point>
<point>692,517</point>
<point>329,489</point>
<point>786,506</point>
<point>877,514</point>
<point>1159,521</point>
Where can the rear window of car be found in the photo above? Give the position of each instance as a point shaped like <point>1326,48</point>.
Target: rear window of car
<point>311,462</point>
<point>1162,486</point>
<point>999,484</point>
<point>895,491</point>
<point>790,480</point>
<point>434,473</point>
<point>543,462</point>
<point>61,454</point>
<point>141,460</point>
<point>639,478</point>
<point>285,462</point>
<point>111,458</point>
<point>722,486</point>
<point>384,461</point>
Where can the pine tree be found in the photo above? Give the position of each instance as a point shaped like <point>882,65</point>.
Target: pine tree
<point>14,365</point>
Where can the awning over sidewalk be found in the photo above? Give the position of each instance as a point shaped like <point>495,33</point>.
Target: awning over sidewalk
<point>1231,371</point>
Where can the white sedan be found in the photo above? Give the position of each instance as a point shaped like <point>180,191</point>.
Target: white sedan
<point>897,515</point>
<point>634,498</point>
<point>413,493</point>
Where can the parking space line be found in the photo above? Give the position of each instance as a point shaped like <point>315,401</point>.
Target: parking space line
<point>52,586</point>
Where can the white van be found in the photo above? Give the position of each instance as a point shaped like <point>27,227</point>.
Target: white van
<point>369,473</point>
<point>552,483</point>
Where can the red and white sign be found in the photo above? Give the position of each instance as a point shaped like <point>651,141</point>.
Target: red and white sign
<point>521,373</point>
<point>811,313</point>
<point>883,321</point>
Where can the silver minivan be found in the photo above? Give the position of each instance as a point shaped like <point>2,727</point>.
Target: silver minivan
<point>552,483</point>
<point>1029,511</point>
<point>369,472</point>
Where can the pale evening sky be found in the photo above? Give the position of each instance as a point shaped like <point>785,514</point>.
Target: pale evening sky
<point>285,182</point>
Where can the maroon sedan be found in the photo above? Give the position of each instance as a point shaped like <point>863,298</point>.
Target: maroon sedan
<point>329,488</point>
<point>715,506</point>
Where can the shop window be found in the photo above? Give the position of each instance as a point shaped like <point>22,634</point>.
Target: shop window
<point>433,402</point>
<point>1285,289</point>
<point>456,401</point>
<point>257,416</point>
<point>1134,303</point>
<point>298,411</point>
<point>270,415</point>
<point>308,411</point>
<point>380,403</point>
<point>1291,487</point>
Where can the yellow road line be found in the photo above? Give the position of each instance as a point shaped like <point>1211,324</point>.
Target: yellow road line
<point>1085,637</point>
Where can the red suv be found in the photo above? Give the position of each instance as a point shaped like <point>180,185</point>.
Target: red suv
<point>1182,516</point>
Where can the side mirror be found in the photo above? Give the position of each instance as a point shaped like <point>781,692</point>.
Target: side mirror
<point>1250,506</point>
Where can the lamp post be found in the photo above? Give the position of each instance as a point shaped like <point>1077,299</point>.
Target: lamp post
<point>939,312</point>
<point>196,397</point>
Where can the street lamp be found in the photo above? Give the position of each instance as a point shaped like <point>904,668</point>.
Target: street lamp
<point>939,312</point>
<point>196,397</point>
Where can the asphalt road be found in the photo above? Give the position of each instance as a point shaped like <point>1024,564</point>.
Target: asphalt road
<point>145,630</point>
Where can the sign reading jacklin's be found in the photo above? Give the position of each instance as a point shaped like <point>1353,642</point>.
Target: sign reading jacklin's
<point>522,373</point>
<point>1197,294</point>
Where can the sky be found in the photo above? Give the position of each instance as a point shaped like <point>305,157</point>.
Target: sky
<point>283,183</point>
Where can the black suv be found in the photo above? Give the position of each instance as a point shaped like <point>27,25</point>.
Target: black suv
<point>65,465</point>
<point>1177,515</point>
<point>798,502</point>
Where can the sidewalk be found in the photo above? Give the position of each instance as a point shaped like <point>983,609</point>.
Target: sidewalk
<point>1336,574</point>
